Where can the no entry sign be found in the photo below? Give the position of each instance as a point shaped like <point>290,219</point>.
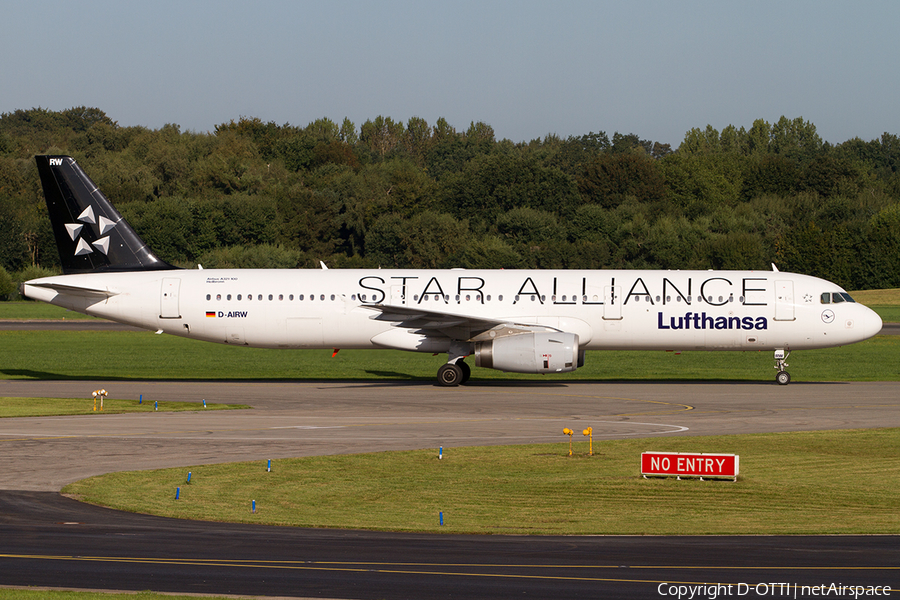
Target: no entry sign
<point>682,464</point>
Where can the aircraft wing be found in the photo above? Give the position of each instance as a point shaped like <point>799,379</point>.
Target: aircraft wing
<point>454,326</point>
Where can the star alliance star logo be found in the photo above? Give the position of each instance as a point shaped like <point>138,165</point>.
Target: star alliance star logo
<point>87,217</point>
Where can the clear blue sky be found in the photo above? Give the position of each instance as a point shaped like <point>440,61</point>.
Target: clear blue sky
<point>526,68</point>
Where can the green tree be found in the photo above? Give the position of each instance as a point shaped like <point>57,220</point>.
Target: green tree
<point>490,252</point>
<point>381,136</point>
<point>609,178</point>
<point>309,220</point>
<point>699,182</point>
<point>491,185</point>
<point>797,138</point>
<point>7,285</point>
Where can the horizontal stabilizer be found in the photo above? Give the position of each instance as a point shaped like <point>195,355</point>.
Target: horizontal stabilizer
<point>75,290</point>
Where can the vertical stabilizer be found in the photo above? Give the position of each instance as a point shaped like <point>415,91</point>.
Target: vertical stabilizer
<point>91,235</point>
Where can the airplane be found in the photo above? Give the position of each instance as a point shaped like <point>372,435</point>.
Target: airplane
<point>522,321</point>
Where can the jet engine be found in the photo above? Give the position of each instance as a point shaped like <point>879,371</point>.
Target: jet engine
<point>538,352</point>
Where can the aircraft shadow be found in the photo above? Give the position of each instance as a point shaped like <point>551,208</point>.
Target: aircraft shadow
<point>399,378</point>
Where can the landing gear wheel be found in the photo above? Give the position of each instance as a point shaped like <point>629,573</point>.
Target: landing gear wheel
<point>783,377</point>
<point>466,369</point>
<point>450,375</point>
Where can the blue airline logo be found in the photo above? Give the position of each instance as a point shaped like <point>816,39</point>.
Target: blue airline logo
<point>692,320</point>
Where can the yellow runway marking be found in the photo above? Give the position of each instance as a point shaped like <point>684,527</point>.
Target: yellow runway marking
<point>435,568</point>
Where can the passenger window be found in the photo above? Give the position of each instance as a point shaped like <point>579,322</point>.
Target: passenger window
<point>207,296</point>
<point>259,297</point>
<point>239,296</point>
<point>270,297</point>
<point>300,297</point>
<point>281,296</point>
<point>228,297</point>
<point>218,296</point>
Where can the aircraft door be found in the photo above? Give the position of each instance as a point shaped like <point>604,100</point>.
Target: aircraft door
<point>168,300</point>
<point>784,300</point>
<point>612,302</point>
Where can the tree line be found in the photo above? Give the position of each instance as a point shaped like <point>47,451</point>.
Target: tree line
<point>394,194</point>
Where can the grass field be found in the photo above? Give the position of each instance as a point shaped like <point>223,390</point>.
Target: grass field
<point>37,310</point>
<point>44,407</point>
<point>119,355</point>
<point>825,482</point>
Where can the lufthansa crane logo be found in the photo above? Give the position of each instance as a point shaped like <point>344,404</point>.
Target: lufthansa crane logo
<point>87,218</point>
<point>828,316</point>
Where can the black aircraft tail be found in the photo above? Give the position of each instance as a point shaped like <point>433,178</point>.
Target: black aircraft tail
<point>91,235</point>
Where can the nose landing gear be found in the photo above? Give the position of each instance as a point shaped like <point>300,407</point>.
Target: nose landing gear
<point>782,377</point>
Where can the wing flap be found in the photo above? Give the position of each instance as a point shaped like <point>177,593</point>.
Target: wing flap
<point>454,326</point>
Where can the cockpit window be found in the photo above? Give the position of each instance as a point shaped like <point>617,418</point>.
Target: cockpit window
<point>836,297</point>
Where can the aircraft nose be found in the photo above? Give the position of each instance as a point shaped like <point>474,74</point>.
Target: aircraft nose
<point>871,323</point>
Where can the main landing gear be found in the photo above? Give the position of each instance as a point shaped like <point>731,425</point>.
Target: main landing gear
<point>454,373</point>
<point>783,377</point>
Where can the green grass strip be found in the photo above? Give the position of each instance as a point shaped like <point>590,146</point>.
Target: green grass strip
<point>823,482</point>
<point>55,407</point>
<point>125,355</point>
<point>37,310</point>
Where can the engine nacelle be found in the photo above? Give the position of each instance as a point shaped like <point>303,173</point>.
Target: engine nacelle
<point>540,352</point>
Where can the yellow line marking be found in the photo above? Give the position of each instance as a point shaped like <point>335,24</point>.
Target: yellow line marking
<point>396,568</point>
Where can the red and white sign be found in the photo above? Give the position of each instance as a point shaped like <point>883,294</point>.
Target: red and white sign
<point>689,465</point>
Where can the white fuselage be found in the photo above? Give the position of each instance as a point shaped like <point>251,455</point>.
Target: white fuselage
<point>608,310</point>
